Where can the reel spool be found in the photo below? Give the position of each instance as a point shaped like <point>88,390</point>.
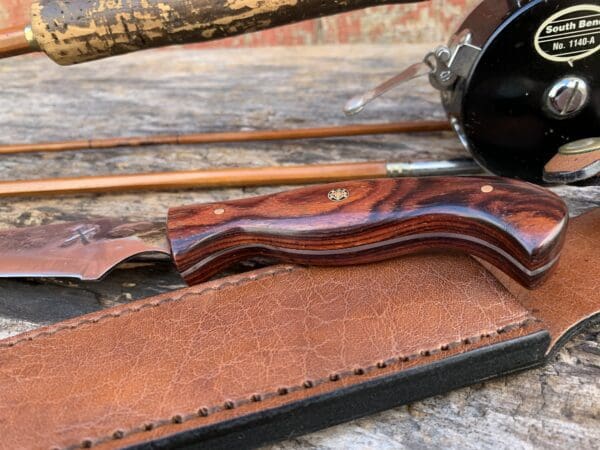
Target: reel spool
<point>518,81</point>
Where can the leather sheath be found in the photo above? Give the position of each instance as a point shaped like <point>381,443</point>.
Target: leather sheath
<point>286,350</point>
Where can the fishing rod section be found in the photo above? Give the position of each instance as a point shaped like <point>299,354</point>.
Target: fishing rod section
<point>72,32</point>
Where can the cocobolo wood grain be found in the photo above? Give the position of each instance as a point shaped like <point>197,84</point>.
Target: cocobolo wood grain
<point>517,226</point>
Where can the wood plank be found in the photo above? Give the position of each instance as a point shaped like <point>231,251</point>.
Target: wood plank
<point>222,90</point>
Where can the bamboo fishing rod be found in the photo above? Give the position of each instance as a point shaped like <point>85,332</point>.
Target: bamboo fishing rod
<point>237,177</point>
<point>234,136</point>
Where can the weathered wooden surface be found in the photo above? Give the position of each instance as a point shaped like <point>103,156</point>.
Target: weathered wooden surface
<point>189,91</point>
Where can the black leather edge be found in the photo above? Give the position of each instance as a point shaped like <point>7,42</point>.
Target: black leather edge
<point>366,398</point>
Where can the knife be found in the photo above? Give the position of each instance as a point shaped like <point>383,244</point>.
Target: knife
<point>518,227</point>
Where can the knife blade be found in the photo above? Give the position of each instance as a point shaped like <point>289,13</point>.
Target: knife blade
<point>518,227</point>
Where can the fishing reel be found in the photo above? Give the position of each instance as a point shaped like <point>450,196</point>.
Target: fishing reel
<point>519,80</point>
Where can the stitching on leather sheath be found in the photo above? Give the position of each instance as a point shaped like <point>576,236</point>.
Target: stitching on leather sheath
<point>281,391</point>
<point>308,384</point>
<point>143,306</point>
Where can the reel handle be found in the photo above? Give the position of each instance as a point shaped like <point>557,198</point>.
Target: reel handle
<point>71,32</point>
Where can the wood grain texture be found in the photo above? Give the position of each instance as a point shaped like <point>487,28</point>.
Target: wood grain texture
<point>516,226</point>
<point>71,32</point>
<point>167,92</point>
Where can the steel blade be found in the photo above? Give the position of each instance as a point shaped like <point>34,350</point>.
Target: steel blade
<point>86,250</point>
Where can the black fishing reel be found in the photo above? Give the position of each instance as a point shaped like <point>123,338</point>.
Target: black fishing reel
<point>518,80</point>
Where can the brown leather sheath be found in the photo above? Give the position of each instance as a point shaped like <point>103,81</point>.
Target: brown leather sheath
<point>286,350</point>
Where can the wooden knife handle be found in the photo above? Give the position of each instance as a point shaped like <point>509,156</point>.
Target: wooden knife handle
<point>73,31</point>
<point>517,226</point>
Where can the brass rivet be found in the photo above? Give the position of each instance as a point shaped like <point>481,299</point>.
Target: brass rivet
<point>487,188</point>
<point>219,211</point>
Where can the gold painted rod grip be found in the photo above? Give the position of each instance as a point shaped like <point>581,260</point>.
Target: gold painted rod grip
<point>74,31</point>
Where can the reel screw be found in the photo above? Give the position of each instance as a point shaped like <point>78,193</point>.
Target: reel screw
<point>568,96</point>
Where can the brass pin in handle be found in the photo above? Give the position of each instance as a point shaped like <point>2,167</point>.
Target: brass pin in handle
<point>75,31</point>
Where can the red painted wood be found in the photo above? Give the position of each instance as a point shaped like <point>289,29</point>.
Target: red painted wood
<point>516,226</point>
